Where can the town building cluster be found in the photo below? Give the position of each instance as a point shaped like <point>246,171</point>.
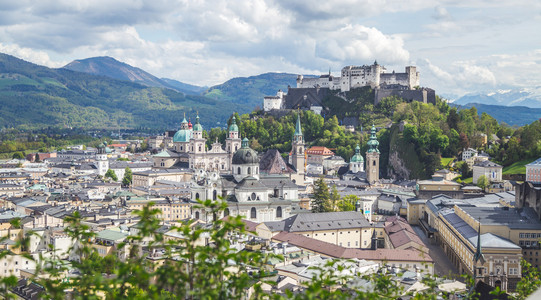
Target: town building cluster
<point>395,226</point>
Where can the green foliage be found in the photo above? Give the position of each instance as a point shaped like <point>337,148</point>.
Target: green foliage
<point>18,155</point>
<point>518,167</point>
<point>128,177</point>
<point>111,174</point>
<point>482,182</point>
<point>348,203</point>
<point>322,197</point>
<point>530,281</point>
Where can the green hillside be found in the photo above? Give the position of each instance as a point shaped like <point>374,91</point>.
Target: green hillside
<point>251,90</point>
<point>34,96</point>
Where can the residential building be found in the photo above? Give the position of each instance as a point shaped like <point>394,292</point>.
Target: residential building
<point>492,171</point>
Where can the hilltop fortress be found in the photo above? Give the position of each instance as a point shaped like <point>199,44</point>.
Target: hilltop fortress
<point>310,92</point>
<point>360,76</point>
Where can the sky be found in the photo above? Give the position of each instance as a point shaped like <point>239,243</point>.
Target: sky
<point>458,47</point>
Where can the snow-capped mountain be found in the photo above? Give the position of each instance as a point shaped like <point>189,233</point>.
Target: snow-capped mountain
<point>530,97</point>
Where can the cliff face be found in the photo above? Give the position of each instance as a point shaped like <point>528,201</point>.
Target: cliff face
<point>404,161</point>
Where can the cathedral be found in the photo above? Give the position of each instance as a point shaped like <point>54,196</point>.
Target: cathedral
<point>189,149</point>
<point>258,196</point>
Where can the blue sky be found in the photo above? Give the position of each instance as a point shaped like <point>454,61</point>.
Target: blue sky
<point>459,46</point>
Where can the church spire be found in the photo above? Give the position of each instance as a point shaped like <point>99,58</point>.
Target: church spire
<point>373,142</point>
<point>478,253</point>
<point>298,129</point>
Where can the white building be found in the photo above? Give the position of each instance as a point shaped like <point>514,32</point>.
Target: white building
<point>533,171</point>
<point>491,170</point>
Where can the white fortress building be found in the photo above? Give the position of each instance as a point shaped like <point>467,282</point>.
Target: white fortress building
<point>360,76</point>
<point>310,92</point>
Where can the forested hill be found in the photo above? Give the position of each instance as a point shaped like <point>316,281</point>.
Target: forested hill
<point>251,90</point>
<point>34,96</point>
<point>413,136</point>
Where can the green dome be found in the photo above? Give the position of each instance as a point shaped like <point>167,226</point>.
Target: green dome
<point>357,157</point>
<point>245,155</point>
<point>182,135</point>
<point>233,127</point>
<point>197,126</point>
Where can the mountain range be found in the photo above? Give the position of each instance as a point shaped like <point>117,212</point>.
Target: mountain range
<point>102,92</point>
<point>511,97</point>
<point>34,96</point>
<point>110,67</point>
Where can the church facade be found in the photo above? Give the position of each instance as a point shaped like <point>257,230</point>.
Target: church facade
<point>189,147</point>
<point>252,190</point>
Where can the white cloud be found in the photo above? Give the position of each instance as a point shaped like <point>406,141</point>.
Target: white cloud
<point>28,54</point>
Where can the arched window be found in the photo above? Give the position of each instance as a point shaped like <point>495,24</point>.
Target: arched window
<point>279,212</point>
<point>236,147</point>
<point>253,213</point>
<point>214,195</point>
<point>199,148</point>
<point>197,215</point>
<point>196,195</point>
<point>373,162</point>
<point>226,212</point>
<point>238,171</point>
<point>249,170</point>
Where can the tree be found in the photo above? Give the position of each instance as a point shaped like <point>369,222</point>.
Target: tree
<point>111,174</point>
<point>348,203</point>
<point>530,281</point>
<point>18,155</point>
<point>482,182</point>
<point>321,196</point>
<point>334,199</point>
<point>127,180</point>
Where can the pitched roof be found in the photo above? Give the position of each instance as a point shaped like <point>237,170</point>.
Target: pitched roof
<point>332,250</point>
<point>272,163</point>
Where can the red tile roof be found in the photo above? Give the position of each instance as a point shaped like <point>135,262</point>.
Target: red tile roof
<point>331,250</point>
<point>319,150</point>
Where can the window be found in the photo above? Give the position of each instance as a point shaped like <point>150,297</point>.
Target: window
<point>365,243</point>
<point>253,213</point>
<point>214,195</point>
<point>279,212</point>
<point>196,195</point>
<point>249,170</point>
<point>254,196</point>
<point>238,170</point>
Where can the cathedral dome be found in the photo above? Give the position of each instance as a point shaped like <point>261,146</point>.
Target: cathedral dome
<point>245,155</point>
<point>182,135</point>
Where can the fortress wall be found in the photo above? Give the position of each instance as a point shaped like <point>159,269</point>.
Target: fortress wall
<point>422,95</point>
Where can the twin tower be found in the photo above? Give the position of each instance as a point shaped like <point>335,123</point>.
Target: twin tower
<point>356,162</point>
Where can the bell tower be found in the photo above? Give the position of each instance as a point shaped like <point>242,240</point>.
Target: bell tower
<point>297,150</point>
<point>232,142</point>
<point>372,158</point>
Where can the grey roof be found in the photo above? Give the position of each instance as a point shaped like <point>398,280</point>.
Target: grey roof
<point>537,162</point>
<point>514,218</point>
<point>324,221</point>
<point>489,240</point>
<point>486,163</point>
<point>250,183</point>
